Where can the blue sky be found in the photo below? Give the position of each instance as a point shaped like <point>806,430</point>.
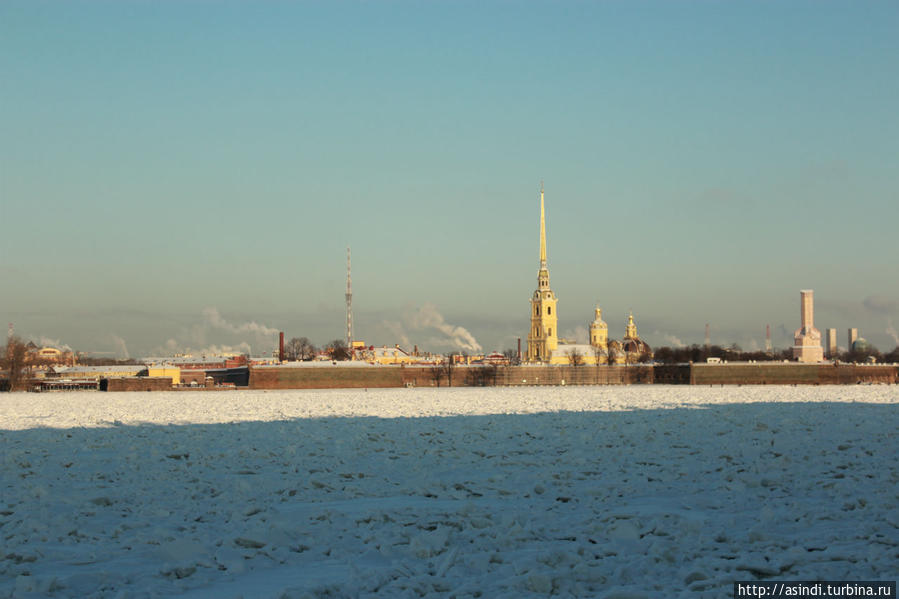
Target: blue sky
<point>703,162</point>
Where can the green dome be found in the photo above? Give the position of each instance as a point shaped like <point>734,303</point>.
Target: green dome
<point>860,345</point>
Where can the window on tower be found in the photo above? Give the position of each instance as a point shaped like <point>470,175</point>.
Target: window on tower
<point>549,310</point>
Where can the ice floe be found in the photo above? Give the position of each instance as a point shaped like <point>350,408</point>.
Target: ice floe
<point>500,492</point>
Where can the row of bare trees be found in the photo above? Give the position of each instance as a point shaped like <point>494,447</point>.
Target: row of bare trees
<point>444,370</point>
<point>733,353</point>
<point>300,349</point>
<point>475,376</point>
<point>601,357</point>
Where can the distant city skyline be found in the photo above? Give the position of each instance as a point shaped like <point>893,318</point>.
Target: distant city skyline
<point>180,176</point>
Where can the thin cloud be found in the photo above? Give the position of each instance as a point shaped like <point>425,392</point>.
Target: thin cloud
<point>880,304</point>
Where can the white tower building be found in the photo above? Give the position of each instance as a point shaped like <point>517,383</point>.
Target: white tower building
<point>807,339</point>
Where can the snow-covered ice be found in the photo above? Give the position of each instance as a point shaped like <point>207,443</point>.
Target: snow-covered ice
<point>649,491</point>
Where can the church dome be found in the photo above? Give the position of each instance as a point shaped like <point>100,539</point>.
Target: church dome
<point>860,345</point>
<point>635,346</point>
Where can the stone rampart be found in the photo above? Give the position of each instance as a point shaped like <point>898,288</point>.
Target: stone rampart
<point>325,377</point>
<point>761,373</point>
<point>137,383</point>
<point>778,373</point>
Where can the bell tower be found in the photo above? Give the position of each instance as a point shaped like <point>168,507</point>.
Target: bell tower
<point>599,331</point>
<point>543,336</point>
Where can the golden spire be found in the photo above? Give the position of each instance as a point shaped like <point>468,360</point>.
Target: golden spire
<point>542,230</point>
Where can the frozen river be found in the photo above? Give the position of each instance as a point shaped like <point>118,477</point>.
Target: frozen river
<point>647,491</point>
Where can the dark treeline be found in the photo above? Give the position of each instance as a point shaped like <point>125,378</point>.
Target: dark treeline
<point>733,353</point>
<point>300,349</point>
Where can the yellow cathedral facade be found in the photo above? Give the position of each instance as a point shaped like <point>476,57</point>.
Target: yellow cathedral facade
<point>544,344</point>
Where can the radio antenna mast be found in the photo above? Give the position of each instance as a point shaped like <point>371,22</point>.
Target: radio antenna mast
<point>349,305</point>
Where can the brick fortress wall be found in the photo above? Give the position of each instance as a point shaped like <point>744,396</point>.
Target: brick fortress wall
<point>137,383</point>
<point>466,376</point>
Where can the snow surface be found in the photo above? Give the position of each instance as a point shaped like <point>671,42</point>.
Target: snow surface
<point>647,491</point>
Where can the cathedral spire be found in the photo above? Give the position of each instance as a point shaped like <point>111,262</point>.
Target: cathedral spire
<point>542,230</point>
<point>543,337</point>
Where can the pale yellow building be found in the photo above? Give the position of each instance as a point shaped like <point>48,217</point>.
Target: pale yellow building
<point>599,338</point>
<point>575,354</point>
<point>387,355</point>
<point>166,370</point>
<point>98,372</point>
<point>545,346</point>
<point>592,353</point>
<point>51,355</point>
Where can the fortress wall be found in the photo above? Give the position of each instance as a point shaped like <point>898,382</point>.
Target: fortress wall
<point>575,375</point>
<point>771,373</point>
<point>137,383</point>
<point>325,377</point>
<point>774,373</point>
<point>671,374</point>
<point>463,376</point>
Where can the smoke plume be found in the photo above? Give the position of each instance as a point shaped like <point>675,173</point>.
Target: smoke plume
<point>671,340</point>
<point>891,331</point>
<point>121,348</point>
<point>48,342</point>
<point>427,317</point>
<point>578,334</point>
<point>429,321</point>
<point>397,330</point>
<point>219,350</point>
<point>213,324</point>
<point>214,318</point>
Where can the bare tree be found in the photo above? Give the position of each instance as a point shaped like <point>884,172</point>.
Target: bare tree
<point>492,371</point>
<point>481,376</point>
<point>299,348</point>
<point>512,356</point>
<point>436,373</point>
<point>14,362</point>
<point>338,350</point>
<point>449,365</point>
<point>575,357</point>
<point>599,353</point>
